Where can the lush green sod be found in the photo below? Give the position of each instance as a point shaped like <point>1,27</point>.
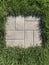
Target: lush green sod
<point>29,56</point>
<point>17,56</point>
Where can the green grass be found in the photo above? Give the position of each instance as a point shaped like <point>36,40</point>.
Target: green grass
<point>29,56</point>
<point>17,56</point>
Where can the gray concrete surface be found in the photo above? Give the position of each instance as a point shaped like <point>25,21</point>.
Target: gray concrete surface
<point>23,31</point>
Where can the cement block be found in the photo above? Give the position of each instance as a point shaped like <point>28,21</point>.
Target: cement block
<point>10,25</point>
<point>12,35</point>
<point>19,43</point>
<point>33,18</point>
<point>28,38</point>
<point>37,38</point>
<point>11,43</point>
<point>32,25</point>
<point>19,23</point>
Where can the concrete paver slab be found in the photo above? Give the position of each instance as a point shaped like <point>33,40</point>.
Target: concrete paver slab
<point>37,38</point>
<point>31,25</point>
<point>33,18</point>
<point>19,23</point>
<point>12,35</point>
<point>11,43</point>
<point>28,38</point>
<point>10,25</point>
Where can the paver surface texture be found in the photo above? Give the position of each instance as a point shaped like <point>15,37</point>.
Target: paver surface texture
<point>23,31</point>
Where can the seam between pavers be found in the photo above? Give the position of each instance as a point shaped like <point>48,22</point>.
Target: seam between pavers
<point>15,23</point>
<point>28,30</point>
<point>14,39</point>
<point>24,32</point>
<point>31,20</point>
<point>33,37</point>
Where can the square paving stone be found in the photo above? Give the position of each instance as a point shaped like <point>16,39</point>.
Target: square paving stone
<point>32,25</point>
<point>12,35</point>
<point>19,43</point>
<point>29,18</point>
<point>28,38</point>
<point>11,43</point>
<point>34,18</point>
<point>10,25</point>
<point>37,38</point>
<point>19,23</point>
